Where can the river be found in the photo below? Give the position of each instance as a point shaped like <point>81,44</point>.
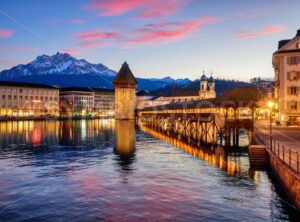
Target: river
<point>103,170</point>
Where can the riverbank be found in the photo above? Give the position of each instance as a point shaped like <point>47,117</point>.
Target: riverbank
<point>283,151</point>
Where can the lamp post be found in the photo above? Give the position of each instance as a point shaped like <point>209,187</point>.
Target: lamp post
<point>270,105</point>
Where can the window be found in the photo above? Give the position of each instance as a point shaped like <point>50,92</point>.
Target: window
<point>293,90</point>
<point>293,76</point>
<point>21,90</point>
<point>3,96</point>
<point>294,60</point>
<point>298,45</point>
<point>292,105</point>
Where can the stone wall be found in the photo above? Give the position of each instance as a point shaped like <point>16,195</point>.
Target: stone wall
<point>124,103</point>
<point>288,178</point>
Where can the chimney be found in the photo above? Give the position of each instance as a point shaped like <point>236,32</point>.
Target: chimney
<point>298,32</point>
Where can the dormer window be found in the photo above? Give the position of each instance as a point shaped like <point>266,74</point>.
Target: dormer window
<point>298,45</point>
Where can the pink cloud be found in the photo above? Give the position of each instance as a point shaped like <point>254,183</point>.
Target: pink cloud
<point>149,34</point>
<point>269,30</point>
<point>77,21</point>
<point>5,33</point>
<point>169,32</point>
<point>114,7</point>
<point>91,45</point>
<point>162,9</point>
<point>96,35</point>
<point>147,9</point>
<point>72,51</point>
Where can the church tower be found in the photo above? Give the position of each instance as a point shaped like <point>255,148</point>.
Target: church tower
<point>125,85</point>
<point>203,83</point>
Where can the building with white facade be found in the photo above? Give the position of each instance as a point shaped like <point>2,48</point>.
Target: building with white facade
<point>19,99</point>
<point>286,63</point>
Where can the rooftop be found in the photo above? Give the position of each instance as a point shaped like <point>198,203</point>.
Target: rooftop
<point>25,84</point>
<point>203,77</point>
<point>184,92</point>
<point>125,76</point>
<point>102,90</point>
<point>75,88</point>
<point>144,93</point>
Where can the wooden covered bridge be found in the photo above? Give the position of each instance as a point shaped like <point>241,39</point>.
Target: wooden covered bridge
<point>206,120</point>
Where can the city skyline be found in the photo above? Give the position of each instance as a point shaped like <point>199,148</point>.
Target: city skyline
<point>233,40</point>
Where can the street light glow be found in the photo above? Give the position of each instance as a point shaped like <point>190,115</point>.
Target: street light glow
<point>270,104</point>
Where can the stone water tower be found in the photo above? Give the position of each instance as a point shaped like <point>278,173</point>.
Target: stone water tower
<point>125,85</point>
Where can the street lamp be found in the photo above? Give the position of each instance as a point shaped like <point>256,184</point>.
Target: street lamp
<point>270,105</point>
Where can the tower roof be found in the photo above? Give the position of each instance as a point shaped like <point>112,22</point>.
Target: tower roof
<point>211,79</point>
<point>124,76</point>
<point>203,78</point>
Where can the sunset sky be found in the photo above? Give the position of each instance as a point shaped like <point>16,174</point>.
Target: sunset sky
<point>234,39</point>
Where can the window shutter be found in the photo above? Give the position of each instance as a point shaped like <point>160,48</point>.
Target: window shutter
<point>298,75</point>
<point>289,75</point>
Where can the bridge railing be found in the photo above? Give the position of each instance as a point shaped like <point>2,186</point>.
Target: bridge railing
<point>288,156</point>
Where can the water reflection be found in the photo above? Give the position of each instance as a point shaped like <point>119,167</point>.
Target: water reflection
<point>46,133</point>
<point>125,142</point>
<point>215,155</point>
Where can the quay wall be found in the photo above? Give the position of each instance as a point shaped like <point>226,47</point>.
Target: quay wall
<point>288,178</point>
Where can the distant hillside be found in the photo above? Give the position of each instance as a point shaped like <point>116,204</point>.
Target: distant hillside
<point>220,86</point>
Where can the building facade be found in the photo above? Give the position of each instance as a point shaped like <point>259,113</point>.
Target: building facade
<point>76,102</point>
<point>28,100</point>
<point>286,63</point>
<point>104,102</point>
<point>205,90</point>
<point>125,98</point>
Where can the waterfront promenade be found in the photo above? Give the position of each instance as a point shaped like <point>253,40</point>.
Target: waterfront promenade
<point>284,155</point>
<point>285,142</point>
<point>287,136</point>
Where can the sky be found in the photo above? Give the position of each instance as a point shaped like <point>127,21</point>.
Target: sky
<point>232,39</point>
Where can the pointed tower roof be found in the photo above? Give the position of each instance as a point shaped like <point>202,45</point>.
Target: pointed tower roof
<point>203,77</point>
<point>125,76</point>
<point>211,79</point>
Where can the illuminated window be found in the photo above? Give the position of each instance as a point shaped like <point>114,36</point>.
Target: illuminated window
<point>298,45</point>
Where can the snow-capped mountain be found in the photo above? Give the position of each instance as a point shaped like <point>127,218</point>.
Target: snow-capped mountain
<point>58,64</point>
<point>64,70</point>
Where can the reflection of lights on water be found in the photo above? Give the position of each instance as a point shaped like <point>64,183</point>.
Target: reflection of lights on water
<point>83,129</point>
<point>218,158</point>
<point>36,137</point>
<point>104,121</point>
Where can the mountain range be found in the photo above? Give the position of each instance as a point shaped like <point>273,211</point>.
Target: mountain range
<point>64,70</point>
